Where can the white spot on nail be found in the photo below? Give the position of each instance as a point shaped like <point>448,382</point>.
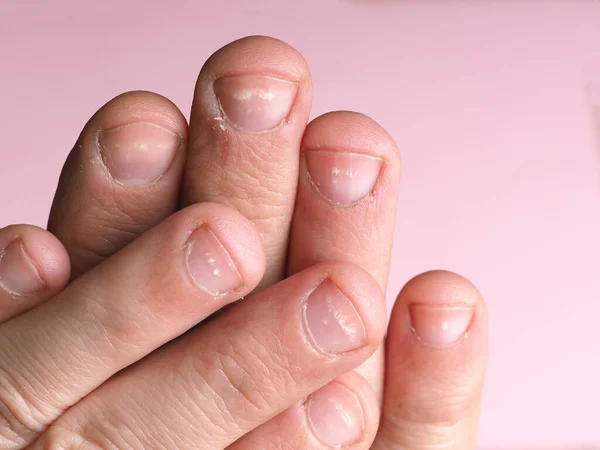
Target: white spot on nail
<point>445,326</point>
<point>244,95</point>
<point>211,260</point>
<point>345,324</point>
<point>335,171</point>
<point>344,415</point>
<point>247,94</point>
<point>217,272</point>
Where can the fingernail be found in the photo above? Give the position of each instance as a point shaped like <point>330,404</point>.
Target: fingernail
<point>343,178</point>
<point>332,321</point>
<point>255,102</point>
<point>18,275</point>
<point>209,263</point>
<point>335,416</point>
<point>440,326</point>
<point>138,153</point>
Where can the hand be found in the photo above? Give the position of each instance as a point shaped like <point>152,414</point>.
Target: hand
<point>239,379</point>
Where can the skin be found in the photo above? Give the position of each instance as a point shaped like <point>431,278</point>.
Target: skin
<point>130,353</point>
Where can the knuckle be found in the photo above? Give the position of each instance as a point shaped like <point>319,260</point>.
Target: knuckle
<point>20,421</point>
<point>238,176</point>
<point>407,434</point>
<point>440,412</point>
<point>243,381</point>
<point>98,425</point>
<point>249,379</point>
<point>447,404</point>
<point>62,438</point>
<point>106,223</point>
<point>102,229</point>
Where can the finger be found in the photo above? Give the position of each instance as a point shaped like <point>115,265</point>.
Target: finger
<point>250,108</point>
<point>33,267</point>
<point>121,178</point>
<point>239,370</point>
<point>162,284</point>
<point>346,203</point>
<point>436,358</point>
<point>342,414</point>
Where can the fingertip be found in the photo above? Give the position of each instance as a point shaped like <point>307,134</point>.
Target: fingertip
<point>442,286</point>
<point>43,251</point>
<point>258,84</point>
<point>258,52</point>
<point>252,96</point>
<point>240,237</point>
<point>436,351</point>
<point>349,130</point>
<point>236,234</point>
<point>34,265</point>
<point>50,258</point>
<point>360,388</point>
<point>441,309</point>
<point>121,178</point>
<point>136,106</point>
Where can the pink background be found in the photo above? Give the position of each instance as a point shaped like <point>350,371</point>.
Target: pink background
<point>487,102</point>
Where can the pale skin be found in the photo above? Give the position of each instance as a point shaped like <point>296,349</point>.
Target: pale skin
<point>157,225</point>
